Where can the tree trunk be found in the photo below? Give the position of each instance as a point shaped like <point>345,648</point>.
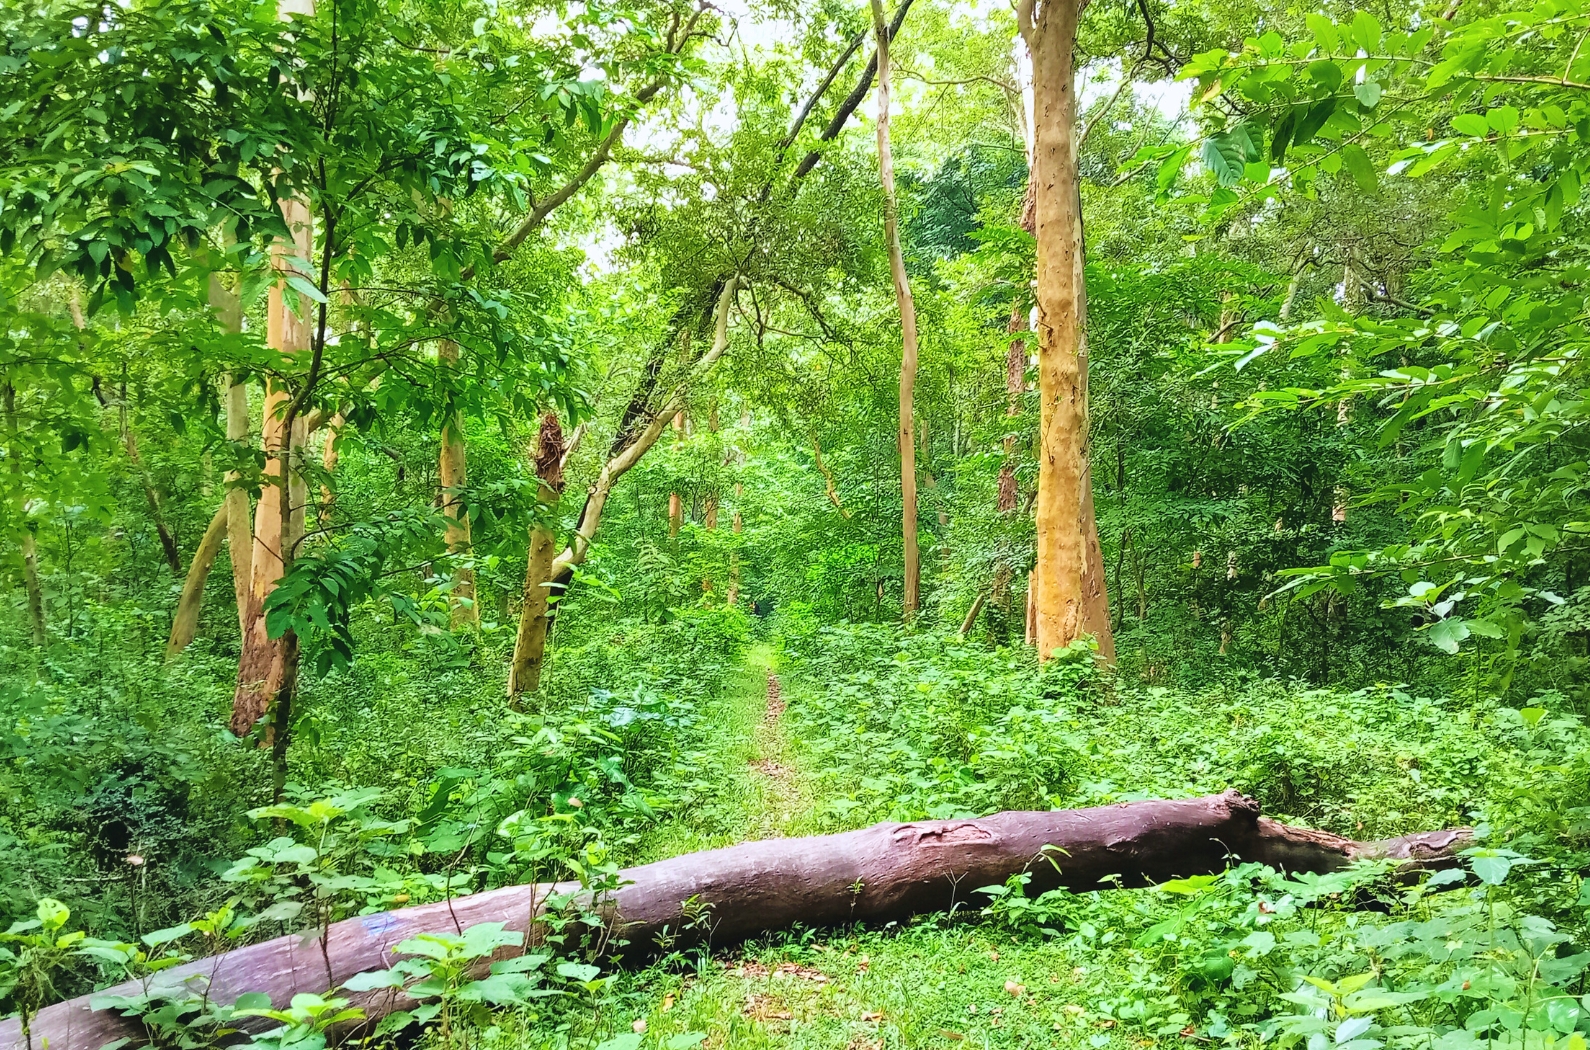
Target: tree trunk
<point>620,462</point>
<point>902,295</point>
<point>30,546</point>
<point>530,645</point>
<point>239,541</point>
<point>168,541</point>
<point>452,473</point>
<point>1015,379</point>
<point>1071,596</point>
<point>888,872</point>
<point>267,664</point>
<point>185,624</point>
<point>829,488</point>
<point>231,520</point>
<point>676,506</point>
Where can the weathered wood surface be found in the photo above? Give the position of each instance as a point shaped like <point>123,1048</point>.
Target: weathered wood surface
<point>885,872</point>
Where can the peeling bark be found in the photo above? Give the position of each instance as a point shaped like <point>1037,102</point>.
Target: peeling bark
<point>267,663</point>
<point>1071,594</point>
<point>530,644</point>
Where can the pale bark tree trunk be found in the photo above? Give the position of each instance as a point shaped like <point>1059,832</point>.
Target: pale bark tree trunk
<point>532,632</point>
<point>230,521</point>
<point>452,470</point>
<point>1071,597</point>
<point>902,295</point>
<point>530,645</point>
<point>185,624</point>
<point>239,540</point>
<point>732,595</point>
<point>268,664</point>
<point>30,546</point>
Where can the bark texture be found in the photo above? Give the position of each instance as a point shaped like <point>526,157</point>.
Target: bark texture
<point>265,664</point>
<point>908,349</point>
<point>185,624</point>
<point>883,873</point>
<point>530,645</point>
<point>1071,599</point>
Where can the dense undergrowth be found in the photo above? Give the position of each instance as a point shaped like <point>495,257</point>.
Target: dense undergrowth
<point>412,781</point>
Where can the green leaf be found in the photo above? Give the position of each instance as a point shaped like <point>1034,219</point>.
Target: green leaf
<point>1366,31</point>
<point>1308,126</point>
<point>1446,635</point>
<point>303,285</point>
<point>1359,165</point>
<point>1368,93</point>
<point>1471,124</point>
<point>1492,870</point>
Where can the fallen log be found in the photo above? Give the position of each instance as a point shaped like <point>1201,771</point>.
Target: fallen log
<point>885,872</point>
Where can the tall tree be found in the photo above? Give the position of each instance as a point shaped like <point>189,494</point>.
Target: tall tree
<point>902,297</point>
<point>1071,600</point>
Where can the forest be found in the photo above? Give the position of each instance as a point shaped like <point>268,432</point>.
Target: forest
<point>655,524</point>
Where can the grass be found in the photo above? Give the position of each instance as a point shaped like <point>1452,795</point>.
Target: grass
<point>936,982</point>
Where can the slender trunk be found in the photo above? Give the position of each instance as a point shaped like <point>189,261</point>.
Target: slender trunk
<point>452,471</point>
<point>902,295</point>
<point>971,614</point>
<point>30,546</point>
<point>1032,608</point>
<point>168,541</point>
<point>267,664</point>
<point>632,449</point>
<point>1071,594</point>
<point>239,540</point>
<point>733,594</point>
<point>676,506</point>
<point>1015,380</point>
<point>231,520</point>
<point>530,645</point>
<point>829,487</point>
<point>185,624</point>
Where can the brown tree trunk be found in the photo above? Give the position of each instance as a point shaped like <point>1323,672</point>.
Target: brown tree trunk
<point>453,477</point>
<point>676,506</point>
<point>1071,595</point>
<point>530,645</point>
<point>30,546</point>
<point>533,632</point>
<point>902,295</point>
<point>267,665</point>
<point>185,624</point>
<point>885,873</point>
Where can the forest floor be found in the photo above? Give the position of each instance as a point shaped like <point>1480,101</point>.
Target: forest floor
<point>936,982</point>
